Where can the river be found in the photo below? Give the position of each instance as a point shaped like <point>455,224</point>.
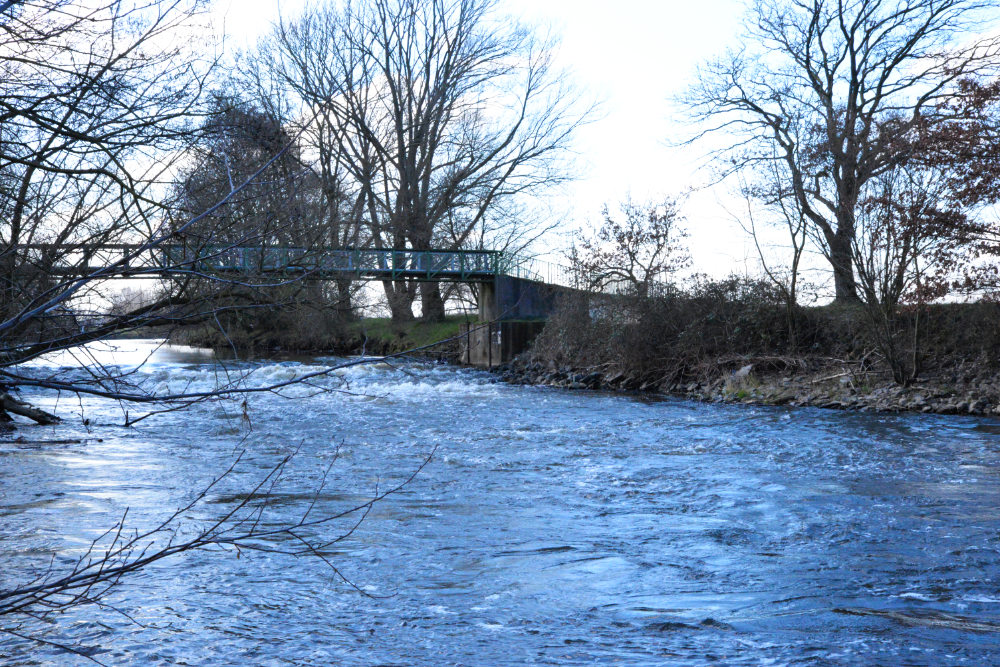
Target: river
<point>550,526</point>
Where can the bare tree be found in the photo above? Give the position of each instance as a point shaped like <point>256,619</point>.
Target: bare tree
<point>289,76</point>
<point>780,208</point>
<point>642,246</point>
<point>442,110</point>
<point>94,99</point>
<point>908,245</point>
<point>816,84</point>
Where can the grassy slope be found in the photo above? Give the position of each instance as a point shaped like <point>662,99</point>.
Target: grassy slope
<point>384,337</point>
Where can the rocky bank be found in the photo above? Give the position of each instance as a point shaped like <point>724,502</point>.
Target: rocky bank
<point>966,389</point>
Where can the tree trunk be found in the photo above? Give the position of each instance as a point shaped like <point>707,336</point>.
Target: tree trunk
<point>431,303</point>
<point>842,261</point>
<point>400,301</point>
<point>344,298</point>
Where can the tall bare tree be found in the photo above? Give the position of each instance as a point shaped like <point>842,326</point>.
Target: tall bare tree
<point>770,202</point>
<point>441,111</point>
<point>829,86</point>
<point>289,76</point>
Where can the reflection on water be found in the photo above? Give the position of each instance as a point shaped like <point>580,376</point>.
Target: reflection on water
<point>127,354</point>
<point>551,527</point>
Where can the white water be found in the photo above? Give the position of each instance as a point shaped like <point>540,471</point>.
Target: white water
<point>551,526</point>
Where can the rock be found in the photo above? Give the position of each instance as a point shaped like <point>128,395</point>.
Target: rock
<point>783,398</point>
<point>935,393</point>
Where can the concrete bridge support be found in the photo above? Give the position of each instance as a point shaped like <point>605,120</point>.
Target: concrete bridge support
<point>512,311</point>
<point>489,344</point>
<point>507,298</point>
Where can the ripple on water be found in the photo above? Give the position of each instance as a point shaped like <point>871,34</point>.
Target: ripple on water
<point>550,527</point>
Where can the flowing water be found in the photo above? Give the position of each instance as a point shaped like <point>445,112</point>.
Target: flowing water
<point>550,527</point>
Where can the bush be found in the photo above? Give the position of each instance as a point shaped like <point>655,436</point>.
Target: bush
<point>294,318</point>
<point>693,334</point>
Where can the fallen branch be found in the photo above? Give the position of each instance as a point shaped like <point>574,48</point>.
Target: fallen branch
<point>10,404</point>
<point>830,377</point>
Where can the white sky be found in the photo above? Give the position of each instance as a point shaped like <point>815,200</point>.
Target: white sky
<point>632,56</point>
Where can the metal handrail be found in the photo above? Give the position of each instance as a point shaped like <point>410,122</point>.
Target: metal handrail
<point>371,263</point>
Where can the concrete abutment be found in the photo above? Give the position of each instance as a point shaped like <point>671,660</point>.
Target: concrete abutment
<point>512,311</point>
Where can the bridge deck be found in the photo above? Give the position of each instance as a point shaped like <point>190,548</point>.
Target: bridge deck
<point>323,263</point>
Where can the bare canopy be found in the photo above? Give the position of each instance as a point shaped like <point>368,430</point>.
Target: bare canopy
<point>438,111</point>
<point>828,87</point>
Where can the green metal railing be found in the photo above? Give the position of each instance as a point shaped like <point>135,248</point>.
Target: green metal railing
<point>332,262</point>
<point>164,260</point>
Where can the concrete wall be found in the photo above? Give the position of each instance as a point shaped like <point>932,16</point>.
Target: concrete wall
<point>489,344</point>
<point>517,299</point>
<point>512,311</point>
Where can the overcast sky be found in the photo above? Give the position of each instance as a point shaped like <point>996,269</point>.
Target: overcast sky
<point>633,56</point>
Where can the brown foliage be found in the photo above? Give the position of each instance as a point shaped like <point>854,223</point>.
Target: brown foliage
<point>632,251</point>
<point>675,337</point>
<point>712,327</point>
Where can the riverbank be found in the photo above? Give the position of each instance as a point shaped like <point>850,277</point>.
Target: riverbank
<point>734,341</point>
<point>372,336</point>
<point>823,383</point>
<point>380,336</point>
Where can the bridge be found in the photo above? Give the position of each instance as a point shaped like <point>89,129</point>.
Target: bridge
<point>516,294</point>
<point>170,260</point>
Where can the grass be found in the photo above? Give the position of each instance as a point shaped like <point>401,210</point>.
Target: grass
<point>384,336</point>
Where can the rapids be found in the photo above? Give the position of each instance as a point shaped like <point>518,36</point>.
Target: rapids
<point>550,527</point>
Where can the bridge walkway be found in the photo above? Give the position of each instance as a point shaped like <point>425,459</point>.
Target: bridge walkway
<point>168,260</point>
